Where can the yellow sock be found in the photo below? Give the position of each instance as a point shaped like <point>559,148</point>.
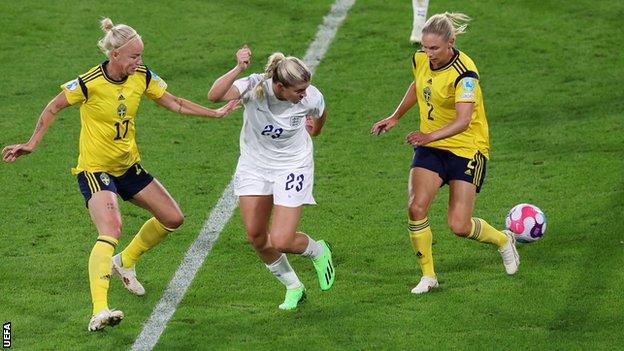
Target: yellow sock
<point>421,237</point>
<point>151,233</point>
<point>483,232</point>
<point>100,266</point>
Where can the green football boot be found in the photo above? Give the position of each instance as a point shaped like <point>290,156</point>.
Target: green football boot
<point>325,267</point>
<point>293,297</point>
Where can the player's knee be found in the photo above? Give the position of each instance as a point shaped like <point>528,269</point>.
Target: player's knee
<point>459,227</point>
<point>417,210</point>
<point>112,227</point>
<point>257,240</point>
<point>173,220</point>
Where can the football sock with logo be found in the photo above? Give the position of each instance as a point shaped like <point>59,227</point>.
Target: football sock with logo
<point>314,250</point>
<point>419,7</point>
<point>150,234</point>
<point>282,270</point>
<point>483,232</point>
<point>100,265</point>
<point>421,238</point>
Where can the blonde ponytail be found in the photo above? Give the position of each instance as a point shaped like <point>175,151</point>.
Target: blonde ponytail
<point>447,25</point>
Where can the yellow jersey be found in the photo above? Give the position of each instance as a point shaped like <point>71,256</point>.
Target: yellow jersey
<point>438,90</point>
<point>107,117</point>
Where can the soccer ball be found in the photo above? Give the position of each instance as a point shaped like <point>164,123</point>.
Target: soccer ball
<point>527,221</point>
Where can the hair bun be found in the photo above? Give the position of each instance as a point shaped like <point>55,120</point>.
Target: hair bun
<point>107,25</point>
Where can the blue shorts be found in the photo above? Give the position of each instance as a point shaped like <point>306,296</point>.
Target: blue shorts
<point>127,185</point>
<point>450,166</point>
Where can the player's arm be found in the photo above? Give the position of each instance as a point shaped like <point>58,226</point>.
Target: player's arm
<point>222,89</point>
<point>183,106</point>
<point>315,125</point>
<point>408,101</point>
<point>459,125</point>
<point>10,153</point>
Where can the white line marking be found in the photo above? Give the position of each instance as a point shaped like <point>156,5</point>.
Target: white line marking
<point>221,214</point>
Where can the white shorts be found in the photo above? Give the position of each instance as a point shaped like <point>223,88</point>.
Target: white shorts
<point>290,188</point>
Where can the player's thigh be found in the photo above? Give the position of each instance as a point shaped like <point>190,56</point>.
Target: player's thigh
<point>156,199</point>
<point>462,195</point>
<point>256,212</point>
<point>104,212</point>
<point>422,188</point>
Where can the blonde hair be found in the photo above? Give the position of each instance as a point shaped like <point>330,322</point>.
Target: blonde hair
<point>447,25</point>
<point>116,36</point>
<point>287,70</point>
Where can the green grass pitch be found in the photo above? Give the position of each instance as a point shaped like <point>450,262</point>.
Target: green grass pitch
<point>551,74</point>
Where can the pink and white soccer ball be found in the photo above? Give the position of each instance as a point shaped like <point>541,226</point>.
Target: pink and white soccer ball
<point>527,221</point>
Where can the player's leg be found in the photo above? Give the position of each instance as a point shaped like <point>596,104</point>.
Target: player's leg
<point>420,17</point>
<point>467,178</point>
<point>143,190</point>
<point>99,192</point>
<point>291,191</point>
<point>256,212</point>
<point>422,188</point>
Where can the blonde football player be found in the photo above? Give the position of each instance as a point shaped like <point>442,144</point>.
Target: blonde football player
<point>275,171</point>
<point>109,163</point>
<point>451,147</point>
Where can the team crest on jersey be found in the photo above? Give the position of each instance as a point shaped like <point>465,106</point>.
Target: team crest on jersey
<point>105,178</point>
<point>295,121</point>
<point>72,85</point>
<point>427,93</point>
<point>121,110</point>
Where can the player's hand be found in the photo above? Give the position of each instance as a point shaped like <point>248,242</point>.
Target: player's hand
<point>384,125</point>
<point>309,124</point>
<point>226,109</point>
<point>417,138</point>
<point>10,153</point>
<point>243,57</point>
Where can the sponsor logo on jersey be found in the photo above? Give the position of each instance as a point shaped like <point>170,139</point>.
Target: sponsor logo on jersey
<point>72,85</point>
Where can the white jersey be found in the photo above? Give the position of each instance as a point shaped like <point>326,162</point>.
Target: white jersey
<point>274,134</point>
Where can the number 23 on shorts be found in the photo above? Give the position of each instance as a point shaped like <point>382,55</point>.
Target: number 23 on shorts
<point>294,181</point>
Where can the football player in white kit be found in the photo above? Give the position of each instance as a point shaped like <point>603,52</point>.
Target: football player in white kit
<point>275,171</point>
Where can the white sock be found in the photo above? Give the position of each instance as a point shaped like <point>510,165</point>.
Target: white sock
<point>420,16</point>
<point>314,249</point>
<point>282,270</point>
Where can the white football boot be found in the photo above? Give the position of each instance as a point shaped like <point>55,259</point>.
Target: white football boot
<point>509,253</point>
<point>425,285</point>
<point>104,318</point>
<point>128,276</point>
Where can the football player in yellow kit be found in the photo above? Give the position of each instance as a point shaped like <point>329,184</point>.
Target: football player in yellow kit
<point>451,146</point>
<point>109,95</point>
